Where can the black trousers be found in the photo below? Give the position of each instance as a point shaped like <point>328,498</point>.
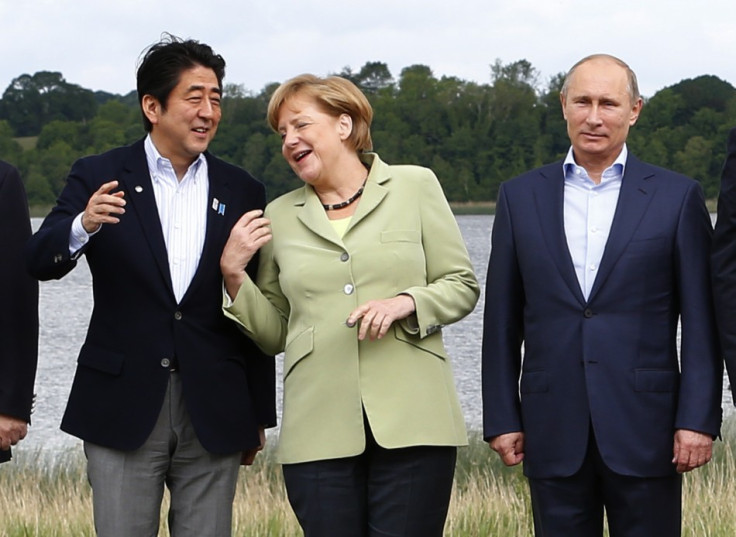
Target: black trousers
<point>634,506</point>
<point>380,493</point>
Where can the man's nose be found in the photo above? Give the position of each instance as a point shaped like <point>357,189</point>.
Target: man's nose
<point>593,117</point>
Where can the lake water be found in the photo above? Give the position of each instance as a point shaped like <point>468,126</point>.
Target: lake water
<point>65,307</point>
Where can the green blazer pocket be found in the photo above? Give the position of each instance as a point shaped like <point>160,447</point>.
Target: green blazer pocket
<point>297,348</point>
<point>534,382</point>
<point>401,235</point>
<point>655,380</point>
<point>101,359</point>
<point>431,344</point>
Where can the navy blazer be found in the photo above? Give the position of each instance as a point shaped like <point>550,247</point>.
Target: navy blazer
<point>19,299</point>
<point>611,360</point>
<point>137,326</point>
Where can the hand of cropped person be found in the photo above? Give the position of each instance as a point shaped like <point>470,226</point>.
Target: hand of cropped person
<point>12,431</point>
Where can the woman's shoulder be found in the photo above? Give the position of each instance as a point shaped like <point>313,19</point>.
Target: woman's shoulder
<point>406,173</point>
<point>284,202</point>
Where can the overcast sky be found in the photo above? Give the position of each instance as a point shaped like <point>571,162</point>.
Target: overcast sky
<point>95,43</point>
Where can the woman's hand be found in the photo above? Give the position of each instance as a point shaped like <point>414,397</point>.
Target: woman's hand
<point>249,233</point>
<point>377,316</point>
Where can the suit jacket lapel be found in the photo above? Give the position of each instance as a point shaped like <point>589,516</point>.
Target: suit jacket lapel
<point>374,191</point>
<point>313,215</point>
<point>549,202</point>
<point>218,199</point>
<point>135,180</point>
<point>636,193</point>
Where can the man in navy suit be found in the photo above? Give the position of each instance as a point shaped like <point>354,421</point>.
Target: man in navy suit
<point>167,391</point>
<point>594,261</point>
<point>724,260</point>
<point>18,316</point>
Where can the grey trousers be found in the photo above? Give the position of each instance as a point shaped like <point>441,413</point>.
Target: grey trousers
<point>128,486</point>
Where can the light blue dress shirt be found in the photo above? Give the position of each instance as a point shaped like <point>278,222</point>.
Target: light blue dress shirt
<point>588,215</point>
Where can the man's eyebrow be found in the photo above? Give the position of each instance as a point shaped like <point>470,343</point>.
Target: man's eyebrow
<point>200,87</point>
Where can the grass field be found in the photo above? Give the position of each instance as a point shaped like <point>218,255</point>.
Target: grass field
<point>44,498</point>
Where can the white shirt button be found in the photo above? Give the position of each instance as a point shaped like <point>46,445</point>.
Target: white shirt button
<point>348,289</point>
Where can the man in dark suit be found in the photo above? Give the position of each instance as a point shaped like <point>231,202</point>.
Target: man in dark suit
<point>167,390</point>
<point>18,316</point>
<point>724,260</point>
<point>594,261</point>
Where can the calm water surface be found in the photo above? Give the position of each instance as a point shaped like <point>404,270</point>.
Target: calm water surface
<point>66,305</point>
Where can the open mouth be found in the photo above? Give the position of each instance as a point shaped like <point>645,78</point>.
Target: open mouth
<point>201,130</point>
<point>301,154</point>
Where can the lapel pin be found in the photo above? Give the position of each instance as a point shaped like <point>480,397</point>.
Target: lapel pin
<point>218,207</point>
<point>138,189</point>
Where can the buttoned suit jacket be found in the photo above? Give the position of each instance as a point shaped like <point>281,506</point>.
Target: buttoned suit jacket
<point>610,361</point>
<point>137,326</point>
<point>19,300</point>
<point>724,260</point>
<point>403,238</point>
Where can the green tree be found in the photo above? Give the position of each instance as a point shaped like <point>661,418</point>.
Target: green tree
<point>30,102</point>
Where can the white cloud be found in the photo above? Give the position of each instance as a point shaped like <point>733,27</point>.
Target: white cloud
<point>96,44</point>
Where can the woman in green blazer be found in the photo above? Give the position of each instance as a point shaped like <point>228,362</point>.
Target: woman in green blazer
<point>358,272</point>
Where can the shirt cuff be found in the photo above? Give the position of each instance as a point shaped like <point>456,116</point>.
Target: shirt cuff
<point>226,300</point>
<point>78,236</point>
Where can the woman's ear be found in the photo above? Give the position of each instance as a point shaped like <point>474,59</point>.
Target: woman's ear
<point>345,126</point>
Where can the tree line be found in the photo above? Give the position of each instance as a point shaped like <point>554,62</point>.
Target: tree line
<point>473,135</point>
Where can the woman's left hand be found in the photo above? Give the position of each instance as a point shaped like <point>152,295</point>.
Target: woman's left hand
<point>377,316</point>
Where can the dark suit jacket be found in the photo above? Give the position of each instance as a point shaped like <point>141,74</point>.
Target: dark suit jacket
<point>137,325</point>
<point>610,360</point>
<point>724,260</point>
<point>19,300</point>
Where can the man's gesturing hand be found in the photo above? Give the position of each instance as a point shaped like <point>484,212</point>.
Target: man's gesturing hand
<point>102,207</point>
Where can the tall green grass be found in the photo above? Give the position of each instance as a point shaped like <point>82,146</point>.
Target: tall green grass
<point>49,497</point>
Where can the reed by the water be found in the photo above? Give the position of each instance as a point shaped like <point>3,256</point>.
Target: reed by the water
<point>49,497</point>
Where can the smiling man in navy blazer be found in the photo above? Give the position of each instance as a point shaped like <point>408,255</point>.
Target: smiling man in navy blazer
<point>167,390</point>
<point>594,261</point>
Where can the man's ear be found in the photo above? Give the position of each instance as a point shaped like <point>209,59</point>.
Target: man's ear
<point>151,108</point>
<point>635,111</point>
<point>563,102</point>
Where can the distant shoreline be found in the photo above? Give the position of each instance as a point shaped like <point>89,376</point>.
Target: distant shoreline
<point>468,207</point>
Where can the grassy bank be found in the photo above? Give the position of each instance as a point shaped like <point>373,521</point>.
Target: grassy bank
<point>52,498</point>
<point>473,207</point>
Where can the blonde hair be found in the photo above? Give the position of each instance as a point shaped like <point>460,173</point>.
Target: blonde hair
<point>335,96</point>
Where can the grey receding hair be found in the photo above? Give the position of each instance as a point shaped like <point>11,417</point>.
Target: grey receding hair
<point>632,86</point>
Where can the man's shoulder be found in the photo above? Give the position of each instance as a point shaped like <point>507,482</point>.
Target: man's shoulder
<point>542,173</point>
<point>117,154</point>
<point>5,167</point>
<point>219,166</point>
<point>634,166</point>
<point>8,172</point>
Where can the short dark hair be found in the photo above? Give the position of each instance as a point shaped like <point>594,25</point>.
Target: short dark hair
<point>162,64</point>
